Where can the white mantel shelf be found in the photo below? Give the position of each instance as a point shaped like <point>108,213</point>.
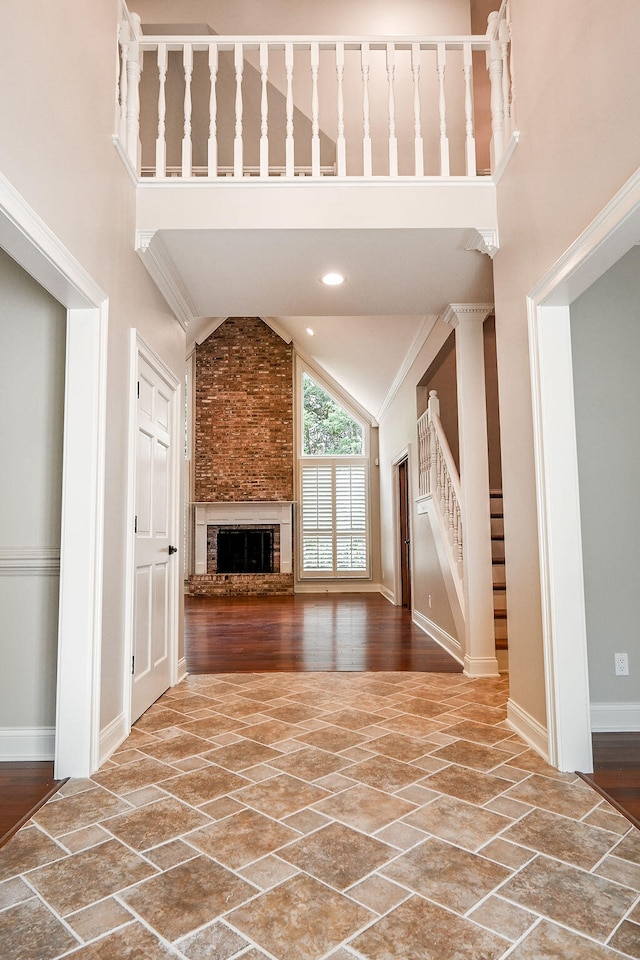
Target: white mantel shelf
<point>276,512</point>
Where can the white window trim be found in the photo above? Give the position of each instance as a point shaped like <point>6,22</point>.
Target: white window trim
<point>305,459</point>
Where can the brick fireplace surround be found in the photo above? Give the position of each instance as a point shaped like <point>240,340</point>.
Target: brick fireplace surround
<point>243,459</point>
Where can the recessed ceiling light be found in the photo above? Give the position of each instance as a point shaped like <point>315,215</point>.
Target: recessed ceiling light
<point>310,332</point>
<point>332,279</point>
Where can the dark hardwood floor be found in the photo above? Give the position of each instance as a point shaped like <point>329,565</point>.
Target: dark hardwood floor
<point>306,632</point>
<point>616,773</point>
<point>24,787</point>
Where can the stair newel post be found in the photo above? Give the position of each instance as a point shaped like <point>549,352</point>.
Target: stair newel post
<point>341,147</point>
<point>187,59</point>
<point>123,82</point>
<point>470,142</point>
<point>289,143</point>
<point>238,157</point>
<point>504,36</point>
<point>212,145</point>
<point>315,110</point>
<point>417,109</point>
<point>393,140</point>
<point>442,110</point>
<point>494,65</point>
<point>264,110</point>
<point>161,144</point>
<point>132,86</point>
<point>366,110</point>
<point>433,407</point>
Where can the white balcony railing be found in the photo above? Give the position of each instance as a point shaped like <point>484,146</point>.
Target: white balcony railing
<point>210,106</point>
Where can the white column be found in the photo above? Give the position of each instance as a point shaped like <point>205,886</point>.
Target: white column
<point>480,653</point>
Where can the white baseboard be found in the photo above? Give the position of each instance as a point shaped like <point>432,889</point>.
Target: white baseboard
<point>336,586</point>
<point>450,644</point>
<point>27,743</point>
<point>112,736</point>
<point>615,717</point>
<point>388,594</point>
<point>182,670</point>
<point>527,727</point>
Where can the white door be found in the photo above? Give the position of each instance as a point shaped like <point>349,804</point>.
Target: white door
<point>155,563</point>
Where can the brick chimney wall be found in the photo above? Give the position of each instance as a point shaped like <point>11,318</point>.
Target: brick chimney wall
<point>244,414</point>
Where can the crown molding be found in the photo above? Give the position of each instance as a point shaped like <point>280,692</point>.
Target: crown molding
<point>156,258</point>
<point>457,313</point>
<point>425,328</point>
<point>277,327</point>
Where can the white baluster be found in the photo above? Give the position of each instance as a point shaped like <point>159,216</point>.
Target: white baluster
<point>512,80</point>
<point>341,147</point>
<point>442,108</point>
<point>504,36</point>
<point>470,142</point>
<point>289,146</point>
<point>161,144</point>
<point>417,121</point>
<point>238,59</point>
<point>393,141</point>
<point>366,111</point>
<point>315,123</point>
<point>494,63</point>
<point>123,91</point>
<point>187,148</point>
<point>212,144</point>
<point>264,111</point>
<point>134,69</point>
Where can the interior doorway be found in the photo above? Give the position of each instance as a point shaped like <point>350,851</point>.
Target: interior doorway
<point>404,531</point>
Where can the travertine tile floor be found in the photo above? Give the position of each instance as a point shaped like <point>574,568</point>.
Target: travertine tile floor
<point>309,816</point>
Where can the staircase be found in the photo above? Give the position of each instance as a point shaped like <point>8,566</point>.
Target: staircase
<point>499,579</point>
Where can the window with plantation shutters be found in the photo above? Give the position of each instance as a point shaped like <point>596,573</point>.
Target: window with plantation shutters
<point>334,470</point>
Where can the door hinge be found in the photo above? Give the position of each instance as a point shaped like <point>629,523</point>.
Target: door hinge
<point>138,389</point>
<point>135,524</point>
<point>133,665</point>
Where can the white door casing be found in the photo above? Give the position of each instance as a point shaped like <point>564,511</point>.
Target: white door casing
<point>156,496</point>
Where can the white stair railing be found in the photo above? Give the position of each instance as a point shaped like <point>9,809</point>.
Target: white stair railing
<point>345,106</point>
<point>439,479</point>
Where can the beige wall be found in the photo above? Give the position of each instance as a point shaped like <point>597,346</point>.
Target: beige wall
<point>57,82</point>
<point>32,358</point>
<point>577,89</point>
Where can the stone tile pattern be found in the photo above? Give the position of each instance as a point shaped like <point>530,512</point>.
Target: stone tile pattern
<point>312,816</point>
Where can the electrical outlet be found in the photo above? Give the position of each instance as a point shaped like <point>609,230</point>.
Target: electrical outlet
<point>621,661</point>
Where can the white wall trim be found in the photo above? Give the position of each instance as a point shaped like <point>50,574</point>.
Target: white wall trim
<point>27,743</point>
<point>156,258</point>
<point>336,586</point>
<point>29,561</point>
<point>115,733</point>
<point>388,595</point>
<point>30,242</point>
<point>181,672</point>
<point>527,727</point>
<point>450,644</point>
<point>615,717</point>
<point>421,337</point>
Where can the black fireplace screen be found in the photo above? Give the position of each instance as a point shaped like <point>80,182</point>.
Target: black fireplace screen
<point>245,551</point>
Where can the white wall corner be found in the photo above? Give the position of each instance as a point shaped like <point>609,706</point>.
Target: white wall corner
<point>441,637</point>
<point>530,729</point>
<point>182,670</point>
<point>27,743</point>
<point>615,717</point>
<point>484,241</point>
<point>111,736</point>
<point>156,258</point>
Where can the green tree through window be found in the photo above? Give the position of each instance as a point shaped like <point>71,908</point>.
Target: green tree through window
<point>328,430</point>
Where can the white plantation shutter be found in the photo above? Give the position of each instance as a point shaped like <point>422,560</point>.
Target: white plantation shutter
<point>334,518</point>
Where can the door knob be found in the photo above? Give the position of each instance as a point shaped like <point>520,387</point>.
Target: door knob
<point>172,549</point>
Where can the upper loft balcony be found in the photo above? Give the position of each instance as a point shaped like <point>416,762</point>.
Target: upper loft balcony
<point>246,133</point>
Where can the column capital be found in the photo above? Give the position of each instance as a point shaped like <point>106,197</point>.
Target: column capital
<point>457,313</point>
